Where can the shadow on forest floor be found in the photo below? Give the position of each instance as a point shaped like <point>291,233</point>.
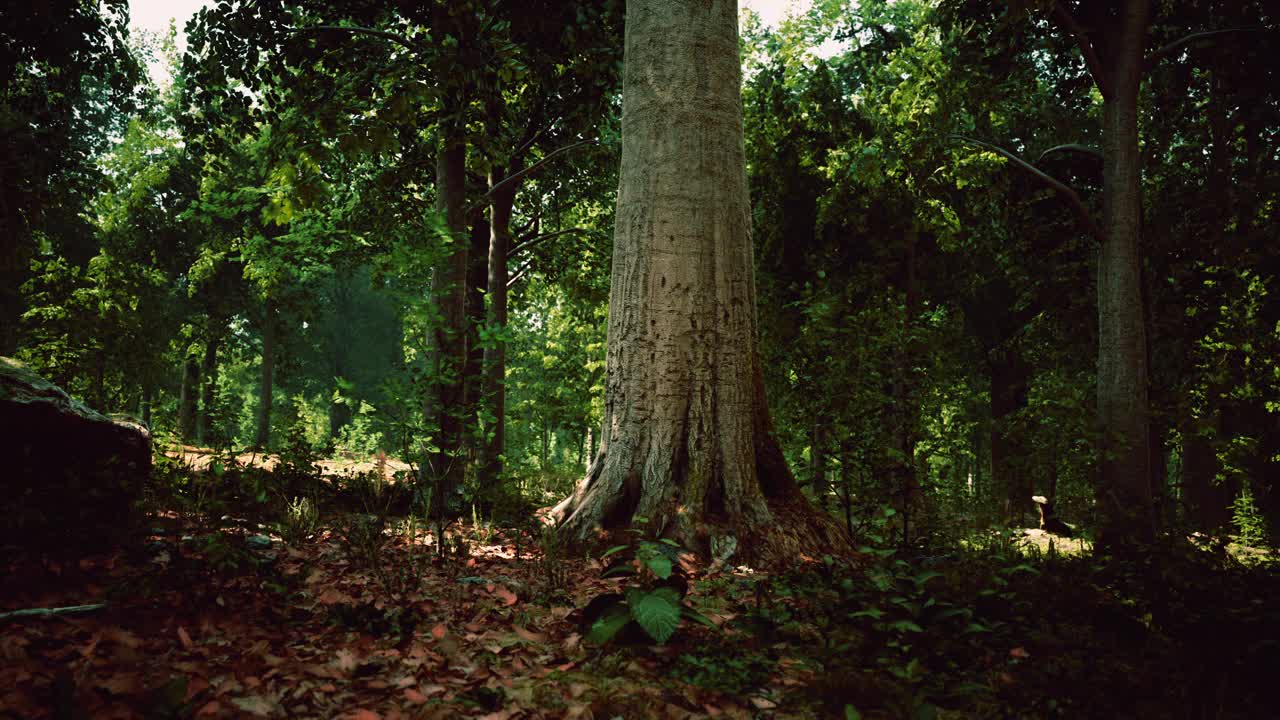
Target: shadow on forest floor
<point>365,617</point>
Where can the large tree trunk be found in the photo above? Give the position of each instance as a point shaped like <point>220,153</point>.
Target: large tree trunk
<point>446,408</point>
<point>688,443</point>
<point>1124,490</point>
<point>266,380</point>
<point>494,388</point>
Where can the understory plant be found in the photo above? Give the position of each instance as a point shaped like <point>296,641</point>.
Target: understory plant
<point>651,604</point>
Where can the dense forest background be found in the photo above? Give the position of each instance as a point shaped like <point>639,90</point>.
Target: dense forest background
<point>401,425</point>
<point>244,256</point>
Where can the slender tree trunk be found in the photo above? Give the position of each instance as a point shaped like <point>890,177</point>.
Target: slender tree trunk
<point>209,383</point>
<point>1124,490</point>
<point>495,354</point>
<point>187,398</point>
<point>266,380</point>
<point>477,289</point>
<point>447,464</point>
<point>688,443</point>
<point>818,460</point>
<point>1010,378</point>
<point>144,405</point>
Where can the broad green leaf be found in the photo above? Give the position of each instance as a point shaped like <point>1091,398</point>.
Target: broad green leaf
<point>657,611</point>
<point>608,624</point>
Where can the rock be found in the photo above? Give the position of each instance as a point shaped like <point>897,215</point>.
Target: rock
<point>71,476</point>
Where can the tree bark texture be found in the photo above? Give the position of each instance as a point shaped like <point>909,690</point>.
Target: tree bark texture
<point>494,388</point>
<point>209,383</point>
<point>1124,490</point>
<point>1010,379</point>
<point>687,441</point>
<point>446,408</point>
<point>187,398</point>
<point>266,381</point>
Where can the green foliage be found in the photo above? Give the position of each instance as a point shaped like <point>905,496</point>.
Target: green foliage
<point>301,520</point>
<point>653,601</point>
<point>1251,527</point>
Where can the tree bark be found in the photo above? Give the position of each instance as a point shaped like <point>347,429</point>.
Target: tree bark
<point>818,460</point>
<point>1207,501</point>
<point>1124,489</point>
<point>187,410</point>
<point>445,409</point>
<point>687,439</point>
<point>266,379</point>
<point>494,390</point>
<point>477,288</point>
<point>1010,378</point>
<point>209,383</point>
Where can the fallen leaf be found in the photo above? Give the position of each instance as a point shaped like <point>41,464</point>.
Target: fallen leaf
<point>121,683</point>
<point>763,703</point>
<point>363,714</point>
<point>255,705</point>
<point>210,708</point>
<point>184,638</point>
<point>438,631</point>
<point>414,696</point>
<point>535,637</point>
<point>1019,652</point>
<point>508,598</point>
<point>345,660</point>
<point>122,637</point>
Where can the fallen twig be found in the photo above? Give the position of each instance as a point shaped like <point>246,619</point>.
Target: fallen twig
<point>43,612</point>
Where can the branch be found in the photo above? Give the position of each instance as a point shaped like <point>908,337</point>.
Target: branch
<point>357,30</point>
<point>1071,147</point>
<point>46,612</point>
<point>518,176</point>
<point>1080,34</point>
<point>1166,50</point>
<point>519,274</point>
<point>525,244</point>
<point>1067,194</point>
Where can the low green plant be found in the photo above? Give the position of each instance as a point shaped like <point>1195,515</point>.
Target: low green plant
<point>301,519</point>
<point>1250,525</point>
<point>553,571</point>
<point>652,602</point>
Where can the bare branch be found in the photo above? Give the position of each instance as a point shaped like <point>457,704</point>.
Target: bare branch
<point>526,243</point>
<point>1080,34</point>
<point>1165,51</point>
<point>47,612</point>
<point>357,30</point>
<point>515,278</point>
<point>1071,147</point>
<point>522,174</point>
<point>1067,194</point>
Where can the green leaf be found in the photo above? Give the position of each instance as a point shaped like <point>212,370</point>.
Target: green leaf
<point>613,550</point>
<point>656,561</point>
<point>851,713</point>
<point>905,626</point>
<point>925,577</point>
<point>608,624</point>
<point>699,618</point>
<point>657,611</point>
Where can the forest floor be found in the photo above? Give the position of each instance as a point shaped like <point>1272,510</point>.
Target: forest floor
<point>206,619</point>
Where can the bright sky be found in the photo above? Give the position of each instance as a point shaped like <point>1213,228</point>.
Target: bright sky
<point>153,15</point>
